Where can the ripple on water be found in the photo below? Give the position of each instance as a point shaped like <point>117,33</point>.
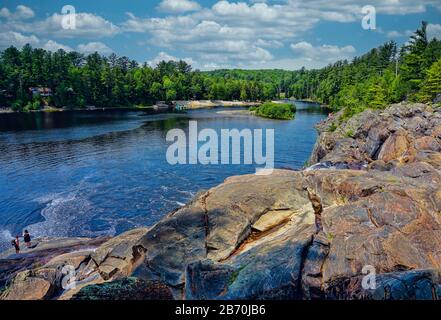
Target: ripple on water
<point>95,179</point>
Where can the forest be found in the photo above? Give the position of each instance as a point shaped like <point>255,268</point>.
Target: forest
<point>384,75</point>
<point>387,74</point>
<point>76,81</point>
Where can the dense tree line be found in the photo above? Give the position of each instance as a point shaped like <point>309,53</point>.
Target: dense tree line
<point>384,75</point>
<point>76,80</point>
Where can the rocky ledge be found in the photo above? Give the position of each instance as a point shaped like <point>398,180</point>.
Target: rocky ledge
<point>370,201</point>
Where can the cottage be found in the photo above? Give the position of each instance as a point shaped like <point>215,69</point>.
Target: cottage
<point>41,91</point>
<point>180,106</point>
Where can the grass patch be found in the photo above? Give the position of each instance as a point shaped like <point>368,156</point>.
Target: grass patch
<point>349,134</point>
<point>332,127</point>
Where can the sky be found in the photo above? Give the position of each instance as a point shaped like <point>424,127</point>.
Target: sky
<point>213,34</point>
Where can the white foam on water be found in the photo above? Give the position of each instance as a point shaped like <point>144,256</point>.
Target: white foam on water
<point>5,239</point>
<point>64,215</point>
<point>5,235</point>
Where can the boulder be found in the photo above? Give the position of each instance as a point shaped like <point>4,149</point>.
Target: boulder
<point>393,135</point>
<point>427,143</point>
<point>395,147</point>
<point>118,256</point>
<point>27,287</point>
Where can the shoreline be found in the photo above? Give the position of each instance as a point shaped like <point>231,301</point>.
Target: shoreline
<point>190,105</point>
<point>202,104</point>
<point>55,110</point>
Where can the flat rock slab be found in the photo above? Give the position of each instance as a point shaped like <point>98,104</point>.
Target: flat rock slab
<point>47,250</point>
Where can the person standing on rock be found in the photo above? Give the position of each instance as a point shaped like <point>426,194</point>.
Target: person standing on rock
<point>16,244</point>
<point>27,238</point>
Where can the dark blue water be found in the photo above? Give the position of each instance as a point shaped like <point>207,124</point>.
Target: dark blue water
<point>100,173</point>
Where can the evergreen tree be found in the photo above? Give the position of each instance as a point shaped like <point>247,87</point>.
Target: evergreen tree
<point>431,87</point>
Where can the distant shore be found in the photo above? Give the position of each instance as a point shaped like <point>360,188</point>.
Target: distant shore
<point>55,109</point>
<point>191,104</point>
<point>200,104</point>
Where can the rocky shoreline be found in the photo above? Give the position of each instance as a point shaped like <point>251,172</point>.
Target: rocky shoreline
<point>371,197</point>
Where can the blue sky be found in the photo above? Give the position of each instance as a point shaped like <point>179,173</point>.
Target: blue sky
<point>212,34</point>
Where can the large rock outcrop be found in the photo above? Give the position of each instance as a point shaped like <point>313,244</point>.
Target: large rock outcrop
<point>381,138</point>
<point>370,201</point>
<point>60,268</point>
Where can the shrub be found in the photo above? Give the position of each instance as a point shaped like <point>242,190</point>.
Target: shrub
<point>282,111</point>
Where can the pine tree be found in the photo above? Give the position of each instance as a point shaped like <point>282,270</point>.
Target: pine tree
<point>376,96</point>
<point>412,66</point>
<point>432,84</point>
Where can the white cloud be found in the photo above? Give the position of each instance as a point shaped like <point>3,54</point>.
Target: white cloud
<point>93,47</point>
<point>260,11</point>
<point>53,46</point>
<point>5,13</point>
<point>269,43</point>
<point>230,32</point>
<point>399,34</point>
<point>319,56</point>
<point>178,6</point>
<point>434,31</point>
<point>394,34</point>
<point>21,13</point>
<point>11,38</point>
<point>88,25</point>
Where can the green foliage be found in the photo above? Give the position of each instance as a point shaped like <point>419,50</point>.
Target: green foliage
<point>431,86</point>
<point>282,111</point>
<point>384,75</point>
<point>77,80</point>
<point>349,134</point>
<point>332,127</point>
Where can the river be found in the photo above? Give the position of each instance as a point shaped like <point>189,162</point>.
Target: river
<point>103,172</point>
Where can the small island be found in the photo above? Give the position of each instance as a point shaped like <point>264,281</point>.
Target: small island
<point>274,110</point>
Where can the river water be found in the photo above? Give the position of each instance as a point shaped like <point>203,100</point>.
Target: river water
<point>104,172</point>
